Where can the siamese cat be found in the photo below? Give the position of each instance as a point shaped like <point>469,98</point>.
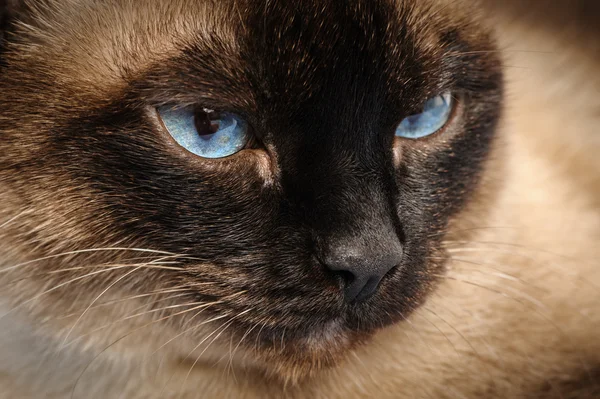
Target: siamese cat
<point>306,199</point>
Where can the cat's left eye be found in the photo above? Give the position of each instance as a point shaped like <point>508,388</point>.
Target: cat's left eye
<point>436,113</point>
<point>205,132</point>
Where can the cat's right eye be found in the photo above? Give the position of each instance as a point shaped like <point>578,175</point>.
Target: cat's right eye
<point>205,132</point>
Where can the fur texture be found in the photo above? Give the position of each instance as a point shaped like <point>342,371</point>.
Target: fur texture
<point>132,269</point>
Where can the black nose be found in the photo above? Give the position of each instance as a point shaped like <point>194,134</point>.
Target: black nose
<point>361,268</point>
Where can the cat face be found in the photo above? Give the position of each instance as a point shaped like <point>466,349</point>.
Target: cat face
<point>323,229</point>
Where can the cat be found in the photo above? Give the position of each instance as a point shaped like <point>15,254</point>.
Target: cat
<point>309,199</point>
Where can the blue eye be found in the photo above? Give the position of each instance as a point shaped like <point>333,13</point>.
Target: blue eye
<point>204,132</point>
<point>436,113</point>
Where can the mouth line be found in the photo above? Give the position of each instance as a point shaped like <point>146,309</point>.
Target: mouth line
<point>316,330</point>
<point>333,336</point>
<point>312,330</point>
<point>294,349</point>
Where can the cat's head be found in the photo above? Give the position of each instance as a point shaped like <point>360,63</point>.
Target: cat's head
<point>312,218</point>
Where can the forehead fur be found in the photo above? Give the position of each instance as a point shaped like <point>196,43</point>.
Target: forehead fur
<point>96,47</point>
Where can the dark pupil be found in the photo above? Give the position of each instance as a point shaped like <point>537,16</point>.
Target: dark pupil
<point>207,122</point>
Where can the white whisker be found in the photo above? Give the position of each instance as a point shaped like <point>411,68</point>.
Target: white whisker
<point>194,327</point>
<point>125,336</point>
<point>211,342</point>
<point>9,221</point>
<point>197,346</point>
<point>60,286</point>
<point>87,251</point>
<point>181,288</point>
<point>232,353</point>
<point>139,314</point>
<point>121,278</point>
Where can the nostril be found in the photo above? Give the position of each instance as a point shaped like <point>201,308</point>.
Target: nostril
<point>346,276</point>
<point>361,290</point>
<point>362,276</point>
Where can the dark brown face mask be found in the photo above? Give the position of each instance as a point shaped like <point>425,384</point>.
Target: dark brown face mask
<point>345,230</point>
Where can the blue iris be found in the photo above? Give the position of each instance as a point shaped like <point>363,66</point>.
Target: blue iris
<point>204,132</point>
<point>436,113</point>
